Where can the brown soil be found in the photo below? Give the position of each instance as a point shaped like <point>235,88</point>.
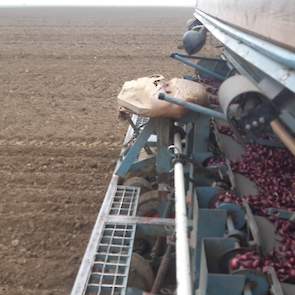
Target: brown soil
<point>60,72</point>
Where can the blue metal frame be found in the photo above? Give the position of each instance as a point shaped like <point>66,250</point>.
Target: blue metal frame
<point>192,107</point>
<point>133,153</point>
<point>162,159</point>
<point>213,282</point>
<point>185,60</point>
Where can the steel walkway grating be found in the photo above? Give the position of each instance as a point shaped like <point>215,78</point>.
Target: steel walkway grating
<point>124,201</point>
<point>110,268</point>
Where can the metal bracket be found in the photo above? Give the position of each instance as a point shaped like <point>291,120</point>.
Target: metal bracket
<point>158,126</point>
<point>281,213</point>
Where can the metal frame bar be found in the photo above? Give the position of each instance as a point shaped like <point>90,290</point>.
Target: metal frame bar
<point>192,107</point>
<point>183,268</point>
<point>197,57</point>
<point>184,60</point>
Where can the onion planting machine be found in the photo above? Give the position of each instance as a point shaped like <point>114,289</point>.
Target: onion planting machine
<point>205,204</point>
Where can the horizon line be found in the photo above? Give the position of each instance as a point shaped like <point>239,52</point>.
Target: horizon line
<point>85,5</point>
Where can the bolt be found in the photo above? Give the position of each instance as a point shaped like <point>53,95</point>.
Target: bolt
<point>254,123</point>
<point>248,127</point>
<point>262,120</point>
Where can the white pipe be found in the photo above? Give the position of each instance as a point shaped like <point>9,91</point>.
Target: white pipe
<point>183,273</point>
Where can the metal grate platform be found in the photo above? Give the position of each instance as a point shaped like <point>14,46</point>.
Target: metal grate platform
<point>110,268</point>
<point>125,201</point>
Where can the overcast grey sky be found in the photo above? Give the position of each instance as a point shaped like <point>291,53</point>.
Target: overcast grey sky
<point>99,2</point>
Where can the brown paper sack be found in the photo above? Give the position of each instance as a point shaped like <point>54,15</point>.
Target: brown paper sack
<point>141,96</point>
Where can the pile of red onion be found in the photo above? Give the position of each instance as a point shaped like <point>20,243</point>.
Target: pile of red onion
<point>214,161</point>
<point>226,130</point>
<point>273,171</point>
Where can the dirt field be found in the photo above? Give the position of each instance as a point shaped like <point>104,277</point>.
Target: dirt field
<point>60,72</point>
